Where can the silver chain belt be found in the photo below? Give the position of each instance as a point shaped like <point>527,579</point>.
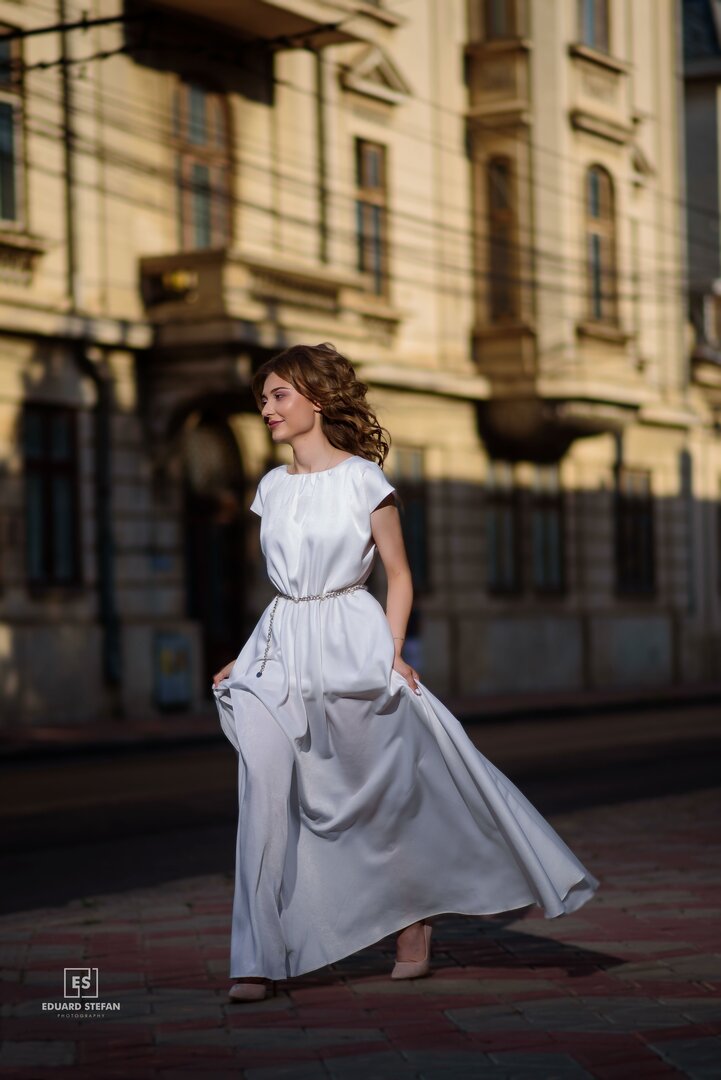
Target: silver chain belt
<point>297,600</point>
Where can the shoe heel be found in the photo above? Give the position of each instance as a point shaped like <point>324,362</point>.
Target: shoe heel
<point>415,969</point>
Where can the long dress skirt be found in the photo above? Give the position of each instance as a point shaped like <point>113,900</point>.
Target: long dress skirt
<point>363,806</point>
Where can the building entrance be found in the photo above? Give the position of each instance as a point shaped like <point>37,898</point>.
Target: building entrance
<point>215,544</point>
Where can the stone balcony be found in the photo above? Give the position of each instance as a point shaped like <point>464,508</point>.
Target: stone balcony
<point>322,21</point>
<point>541,400</point>
<point>218,297</point>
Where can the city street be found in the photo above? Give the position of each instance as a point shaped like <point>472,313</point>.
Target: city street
<point>630,986</point>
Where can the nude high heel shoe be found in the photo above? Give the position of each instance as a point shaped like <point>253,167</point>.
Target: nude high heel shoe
<point>250,991</point>
<point>414,969</point>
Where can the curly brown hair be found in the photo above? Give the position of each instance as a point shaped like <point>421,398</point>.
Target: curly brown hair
<point>322,375</point>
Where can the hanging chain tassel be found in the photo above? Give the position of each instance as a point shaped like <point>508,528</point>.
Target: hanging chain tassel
<point>267,642</point>
<point>297,599</point>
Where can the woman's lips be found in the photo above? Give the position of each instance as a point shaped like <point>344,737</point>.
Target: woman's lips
<point>275,423</point>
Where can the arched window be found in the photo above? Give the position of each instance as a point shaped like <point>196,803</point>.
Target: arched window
<point>200,131</point>
<point>593,24</point>
<point>600,246</point>
<point>502,268</point>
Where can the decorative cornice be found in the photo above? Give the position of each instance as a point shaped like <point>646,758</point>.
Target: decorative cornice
<point>600,59</point>
<point>375,75</point>
<point>599,126</point>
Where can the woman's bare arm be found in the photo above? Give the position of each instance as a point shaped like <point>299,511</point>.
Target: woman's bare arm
<point>388,536</point>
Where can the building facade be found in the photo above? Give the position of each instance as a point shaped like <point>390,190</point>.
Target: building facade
<point>480,203</point>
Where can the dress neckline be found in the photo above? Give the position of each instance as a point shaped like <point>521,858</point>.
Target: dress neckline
<point>319,472</point>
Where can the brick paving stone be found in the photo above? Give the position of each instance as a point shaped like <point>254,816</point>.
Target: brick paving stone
<point>629,987</point>
<point>381,1066</point>
<point>29,1054</point>
<point>272,1037</point>
<point>699,1059</point>
<point>307,1071</point>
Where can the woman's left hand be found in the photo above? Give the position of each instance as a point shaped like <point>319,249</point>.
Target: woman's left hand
<point>409,674</point>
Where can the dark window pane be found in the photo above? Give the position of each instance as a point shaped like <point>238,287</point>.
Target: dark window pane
<point>594,193</point>
<point>499,175</point>
<point>596,272</point>
<point>8,208</point>
<point>593,23</point>
<point>197,126</point>
<point>60,436</point>
<point>371,201</point>
<point>62,528</point>
<point>5,62</point>
<point>547,546</point>
<point>499,18</point>
<point>502,530</point>
<point>34,526</point>
<point>376,241</point>
<point>635,556</point>
<point>201,196</point>
<point>33,435</point>
<point>502,284</point>
<point>50,494</point>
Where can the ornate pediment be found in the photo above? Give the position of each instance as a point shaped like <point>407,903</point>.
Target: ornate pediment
<point>374,74</point>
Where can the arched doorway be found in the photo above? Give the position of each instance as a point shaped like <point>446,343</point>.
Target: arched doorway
<point>214,535</point>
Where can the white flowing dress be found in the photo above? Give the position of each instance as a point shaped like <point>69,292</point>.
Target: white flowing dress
<point>363,806</point>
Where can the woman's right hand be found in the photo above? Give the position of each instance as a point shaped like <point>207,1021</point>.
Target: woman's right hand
<point>223,673</point>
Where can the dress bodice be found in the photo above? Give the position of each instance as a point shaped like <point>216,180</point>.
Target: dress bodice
<point>315,530</point>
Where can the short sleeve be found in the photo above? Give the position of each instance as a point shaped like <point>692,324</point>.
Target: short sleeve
<point>257,504</point>
<point>375,485</point>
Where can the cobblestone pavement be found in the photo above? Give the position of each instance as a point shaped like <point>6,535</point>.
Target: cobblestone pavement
<point>630,986</point>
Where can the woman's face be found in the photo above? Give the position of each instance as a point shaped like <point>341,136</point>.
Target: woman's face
<point>286,412</point>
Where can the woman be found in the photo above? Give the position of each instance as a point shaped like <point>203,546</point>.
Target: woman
<point>364,808</point>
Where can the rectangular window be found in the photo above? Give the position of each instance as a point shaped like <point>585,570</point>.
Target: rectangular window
<point>202,169</point>
<point>372,212</point>
<point>502,261</point>
<point>601,246</point>
<point>593,24</point>
<point>595,270</point>
<point>547,530</point>
<point>201,204</point>
<point>635,554</point>
<point>503,531</point>
<point>51,495</point>
<point>10,127</point>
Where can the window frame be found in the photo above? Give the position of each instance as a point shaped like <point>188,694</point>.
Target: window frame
<point>47,468</point>
<point>547,500</point>
<point>600,247</point>
<point>509,21</point>
<point>212,154</point>
<point>634,512</point>
<point>502,225</point>
<point>594,16</point>
<point>371,204</point>
<point>502,500</point>
<point>12,94</point>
